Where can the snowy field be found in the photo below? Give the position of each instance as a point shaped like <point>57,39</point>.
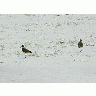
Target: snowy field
<point>53,39</point>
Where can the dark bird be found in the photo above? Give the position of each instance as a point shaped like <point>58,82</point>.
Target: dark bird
<point>25,50</point>
<point>80,44</point>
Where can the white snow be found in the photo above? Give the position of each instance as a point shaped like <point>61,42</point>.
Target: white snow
<point>53,40</point>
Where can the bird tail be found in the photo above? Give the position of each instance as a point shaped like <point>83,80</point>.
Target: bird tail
<point>30,51</point>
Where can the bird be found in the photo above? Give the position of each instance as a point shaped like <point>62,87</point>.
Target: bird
<point>80,44</point>
<point>25,50</point>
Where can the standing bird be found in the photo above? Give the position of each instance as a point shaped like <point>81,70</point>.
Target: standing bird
<point>25,50</point>
<point>80,44</point>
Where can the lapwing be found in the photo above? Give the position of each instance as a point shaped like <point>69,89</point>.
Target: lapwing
<point>80,44</point>
<point>25,50</point>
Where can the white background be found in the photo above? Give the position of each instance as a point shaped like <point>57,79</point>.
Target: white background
<point>48,7</point>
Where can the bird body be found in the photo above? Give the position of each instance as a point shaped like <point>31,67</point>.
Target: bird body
<point>80,44</point>
<point>25,50</point>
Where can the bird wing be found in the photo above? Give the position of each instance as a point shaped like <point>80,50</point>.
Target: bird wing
<point>25,50</point>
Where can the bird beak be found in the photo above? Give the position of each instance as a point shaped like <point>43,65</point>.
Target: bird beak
<point>21,46</point>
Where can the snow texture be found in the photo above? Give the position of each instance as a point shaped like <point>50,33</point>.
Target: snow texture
<point>53,40</point>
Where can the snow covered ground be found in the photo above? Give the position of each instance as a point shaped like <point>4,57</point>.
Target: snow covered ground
<point>53,40</point>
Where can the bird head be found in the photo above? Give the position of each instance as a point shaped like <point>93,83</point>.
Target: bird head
<point>80,40</point>
<point>22,46</point>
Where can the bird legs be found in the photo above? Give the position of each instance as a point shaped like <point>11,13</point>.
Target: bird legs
<point>25,55</point>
